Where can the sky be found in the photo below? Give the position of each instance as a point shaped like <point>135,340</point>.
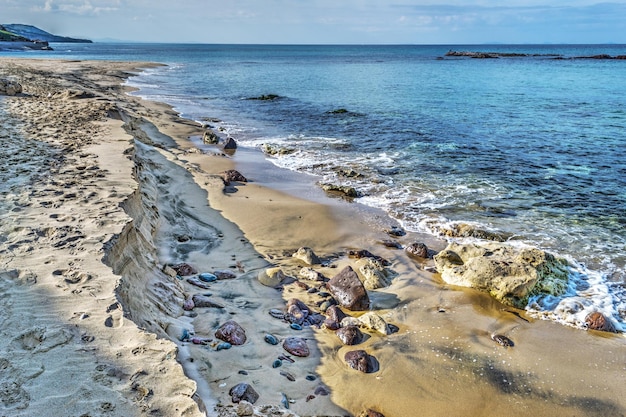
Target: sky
<point>327,21</point>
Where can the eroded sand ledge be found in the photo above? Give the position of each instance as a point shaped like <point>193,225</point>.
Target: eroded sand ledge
<point>91,172</point>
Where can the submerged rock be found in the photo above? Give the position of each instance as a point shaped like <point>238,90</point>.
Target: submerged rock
<point>230,144</point>
<point>232,333</point>
<point>210,137</point>
<point>271,277</point>
<point>342,190</point>
<point>510,274</point>
<point>348,290</point>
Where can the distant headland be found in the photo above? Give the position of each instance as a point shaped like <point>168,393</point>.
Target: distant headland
<point>27,37</point>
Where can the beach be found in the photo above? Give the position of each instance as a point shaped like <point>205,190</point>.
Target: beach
<point>107,198</point>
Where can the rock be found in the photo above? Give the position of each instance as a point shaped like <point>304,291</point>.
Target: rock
<point>373,321</point>
<point>311,274</point>
<point>598,321</point>
<point>374,274</point>
<point>184,269</point>
<point>244,409</point>
<point>307,256</point>
<point>296,346</point>
<point>188,305</point>
<point>232,333</point>
<point>510,274</point>
<point>198,283</point>
<point>207,277</point>
<point>468,230</point>
<point>371,413</point>
<point>230,144</point>
<point>350,335</point>
<point>243,392</point>
<point>210,137</point>
<point>348,290</point>
<point>358,254</point>
<point>274,150</point>
<point>271,277</point>
<point>331,324</point>
<point>232,175</point>
<point>335,313</point>
<point>349,321</point>
<point>224,274</point>
<point>396,231</point>
<point>391,244</point>
<point>297,311</point>
<point>342,190</point>
<point>10,87</point>
<point>418,250</point>
<point>200,300</point>
<point>360,360</point>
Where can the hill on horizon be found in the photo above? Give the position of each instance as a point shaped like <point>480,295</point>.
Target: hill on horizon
<point>22,33</point>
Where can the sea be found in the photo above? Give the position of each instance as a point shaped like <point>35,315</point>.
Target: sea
<point>528,146</point>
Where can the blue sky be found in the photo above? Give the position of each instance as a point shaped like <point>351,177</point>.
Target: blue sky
<point>327,21</point>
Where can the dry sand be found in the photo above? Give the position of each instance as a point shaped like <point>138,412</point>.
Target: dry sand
<point>101,190</point>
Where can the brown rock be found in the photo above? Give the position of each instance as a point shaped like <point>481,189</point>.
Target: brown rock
<point>296,346</point>
<point>361,361</point>
<point>200,300</point>
<point>232,333</point>
<point>184,269</point>
<point>350,335</point>
<point>598,321</point>
<point>297,311</point>
<point>224,274</point>
<point>334,313</point>
<point>349,291</point>
<point>418,250</point>
<point>243,392</point>
<point>233,175</point>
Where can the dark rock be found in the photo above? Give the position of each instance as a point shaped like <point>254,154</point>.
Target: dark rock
<point>598,321</point>
<point>418,250</point>
<point>233,175</point>
<point>297,311</point>
<point>266,97</point>
<point>361,361</point>
<point>224,274</point>
<point>315,319</point>
<point>184,269</point>
<point>363,253</point>
<point>200,300</point>
<point>391,244</point>
<point>332,324</point>
<point>198,283</point>
<point>350,335</point>
<point>232,333</point>
<point>243,392</point>
<point>396,231</point>
<point>296,346</point>
<point>342,190</point>
<point>230,144</point>
<point>335,313</point>
<point>349,291</point>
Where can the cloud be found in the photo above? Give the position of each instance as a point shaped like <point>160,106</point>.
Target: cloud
<point>81,7</point>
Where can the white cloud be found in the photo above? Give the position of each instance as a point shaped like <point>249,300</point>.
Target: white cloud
<point>81,7</point>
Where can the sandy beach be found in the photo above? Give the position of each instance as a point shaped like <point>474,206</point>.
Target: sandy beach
<point>123,251</point>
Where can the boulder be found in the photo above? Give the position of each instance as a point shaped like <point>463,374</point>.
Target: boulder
<point>271,277</point>
<point>510,274</point>
<point>348,290</point>
<point>334,313</point>
<point>418,250</point>
<point>374,274</point>
<point>598,321</point>
<point>210,137</point>
<point>342,190</point>
<point>349,335</point>
<point>243,392</point>
<point>307,256</point>
<point>232,333</point>
<point>10,87</point>
<point>230,144</point>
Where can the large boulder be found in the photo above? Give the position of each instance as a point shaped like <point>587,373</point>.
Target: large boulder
<point>510,274</point>
<point>348,290</point>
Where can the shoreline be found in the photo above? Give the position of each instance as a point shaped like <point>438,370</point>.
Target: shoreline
<point>442,347</point>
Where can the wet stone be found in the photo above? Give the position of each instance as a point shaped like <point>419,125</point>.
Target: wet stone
<point>361,361</point>
<point>243,392</point>
<point>297,346</point>
<point>232,333</point>
<point>350,335</point>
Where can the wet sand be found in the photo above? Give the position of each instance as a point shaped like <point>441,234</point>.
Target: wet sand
<point>102,190</point>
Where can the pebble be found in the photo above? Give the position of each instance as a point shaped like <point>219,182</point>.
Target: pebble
<point>296,326</point>
<point>185,335</point>
<point>277,314</point>
<point>271,339</point>
<point>287,375</point>
<point>284,401</point>
<point>223,346</point>
<point>207,277</point>
<point>502,340</point>
<point>296,346</point>
<point>311,377</point>
<point>277,363</point>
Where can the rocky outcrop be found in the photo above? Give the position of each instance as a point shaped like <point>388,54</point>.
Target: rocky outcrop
<point>509,274</point>
<point>341,190</point>
<point>10,88</point>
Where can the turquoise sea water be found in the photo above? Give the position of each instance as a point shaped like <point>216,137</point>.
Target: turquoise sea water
<point>531,147</point>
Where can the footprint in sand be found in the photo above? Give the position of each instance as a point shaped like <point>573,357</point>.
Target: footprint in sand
<point>116,318</point>
<point>42,339</point>
<point>12,395</point>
